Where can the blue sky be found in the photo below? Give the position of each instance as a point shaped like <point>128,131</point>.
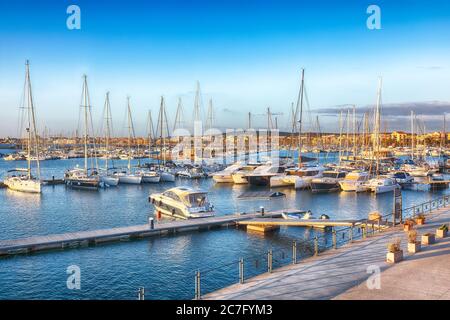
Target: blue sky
<point>247,56</point>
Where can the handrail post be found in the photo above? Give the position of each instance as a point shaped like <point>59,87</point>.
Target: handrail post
<point>316,246</point>
<point>141,293</point>
<point>334,239</point>
<point>351,234</point>
<point>294,252</point>
<point>241,270</point>
<point>269,261</point>
<point>197,286</point>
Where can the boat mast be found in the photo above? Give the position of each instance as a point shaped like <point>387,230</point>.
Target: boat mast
<point>150,133</point>
<point>32,133</point>
<point>354,132</point>
<point>340,136</point>
<point>129,132</point>
<point>412,135</point>
<point>377,126</point>
<point>300,105</point>
<point>108,132</point>
<point>85,106</point>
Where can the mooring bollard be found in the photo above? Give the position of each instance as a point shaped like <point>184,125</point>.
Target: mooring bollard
<point>316,246</point>
<point>197,286</point>
<point>269,261</point>
<point>241,270</point>
<point>141,293</point>
<point>334,239</point>
<point>294,252</point>
<point>151,223</point>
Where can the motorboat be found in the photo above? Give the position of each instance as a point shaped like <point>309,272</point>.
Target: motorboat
<point>225,176</point>
<point>183,203</point>
<point>355,181</point>
<point>262,175</point>
<point>329,182</point>
<point>191,173</point>
<point>300,177</point>
<point>382,184</point>
<point>302,215</point>
<point>240,176</point>
<point>402,177</point>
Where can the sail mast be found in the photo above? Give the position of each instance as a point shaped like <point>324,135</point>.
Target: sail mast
<point>85,124</point>
<point>108,132</point>
<point>129,133</point>
<point>150,133</point>
<point>300,105</point>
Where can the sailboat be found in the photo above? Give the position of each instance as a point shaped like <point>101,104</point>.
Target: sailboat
<point>22,179</point>
<point>127,176</point>
<point>107,178</point>
<point>379,184</point>
<point>300,177</point>
<point>84,178</point>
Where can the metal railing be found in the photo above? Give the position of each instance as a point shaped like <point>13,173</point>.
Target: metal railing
<point>210,280</point>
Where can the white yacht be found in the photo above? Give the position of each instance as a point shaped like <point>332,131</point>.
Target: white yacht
<point>262,175</point>
<point>225,176</point>
<point>355,181</point>
<point>329,181</point>
<point>299,177</point>
<point>402,177</point>
<point>24,181</point>
<point>382,184</point>
<point>183,203</point>
<point>240,176</point>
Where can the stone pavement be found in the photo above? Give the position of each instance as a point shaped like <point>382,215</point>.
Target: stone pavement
<point>342,273</point>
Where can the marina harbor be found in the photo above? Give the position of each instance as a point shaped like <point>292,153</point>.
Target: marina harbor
<point>214,157</point>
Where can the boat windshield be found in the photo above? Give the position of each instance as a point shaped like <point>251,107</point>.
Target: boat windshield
<point>197,199</point>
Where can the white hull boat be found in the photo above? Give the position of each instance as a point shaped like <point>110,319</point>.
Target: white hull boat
<point>110,181</point>
<point>23,184</point>
<point>129,178</point>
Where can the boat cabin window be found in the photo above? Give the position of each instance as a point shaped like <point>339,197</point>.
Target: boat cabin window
<point>171,195</point>
<point>197,199</point>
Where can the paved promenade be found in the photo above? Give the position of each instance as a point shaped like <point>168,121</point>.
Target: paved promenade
<point>342,273</point>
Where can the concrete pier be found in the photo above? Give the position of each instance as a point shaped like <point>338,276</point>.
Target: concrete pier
<point>342,273</point>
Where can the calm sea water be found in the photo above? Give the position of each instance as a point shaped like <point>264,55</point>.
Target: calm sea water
<point>164,266</point>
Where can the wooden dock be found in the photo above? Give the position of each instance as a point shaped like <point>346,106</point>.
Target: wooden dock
<point>316,223</point>
<point>86,238</point>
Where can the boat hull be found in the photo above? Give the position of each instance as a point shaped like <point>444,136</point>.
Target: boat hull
<point>318,186</point>
<point>22,185</point>
<point>222,179</point>
<point>167,177</point>
<point>130,179</point>
<point>83,184</point>
<point>151,178</point>
<point>239,178</point>
<point>110,181</point>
